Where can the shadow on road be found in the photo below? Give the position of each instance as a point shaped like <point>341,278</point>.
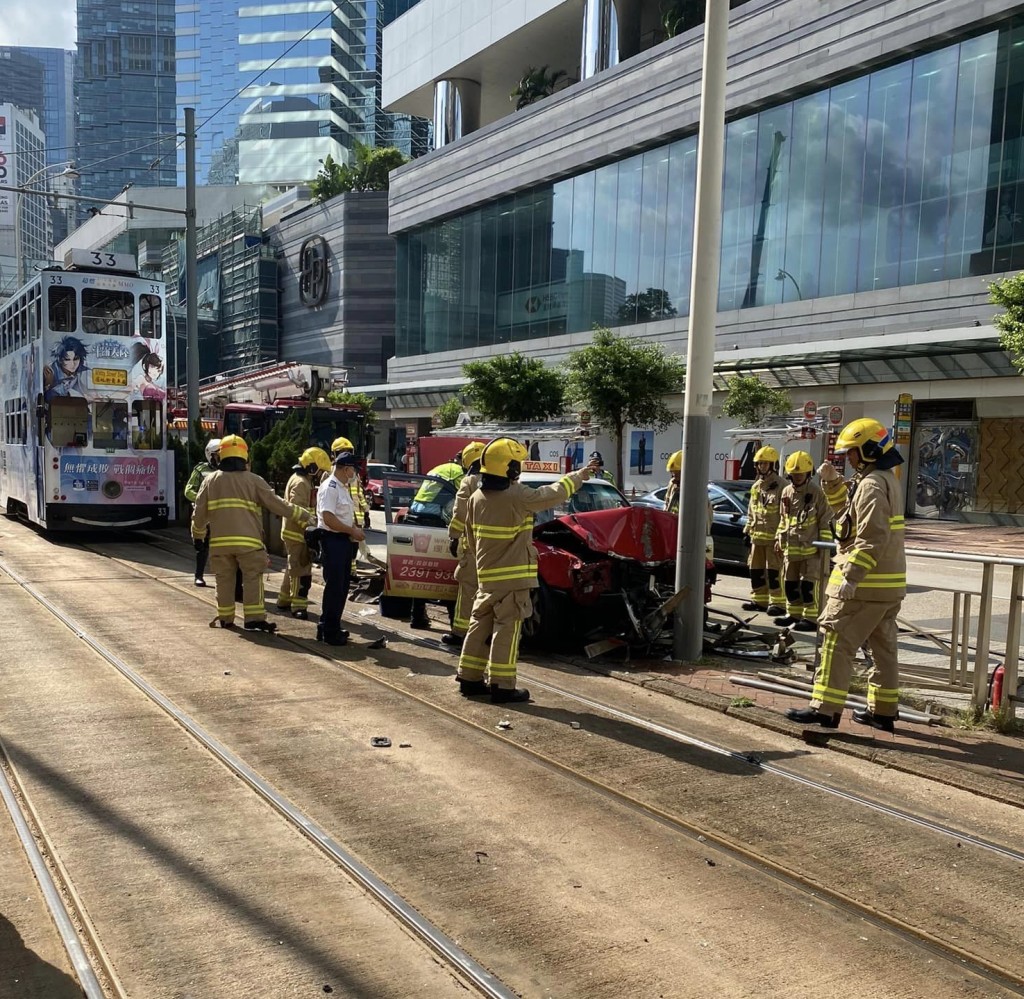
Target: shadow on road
<point>25,975</point>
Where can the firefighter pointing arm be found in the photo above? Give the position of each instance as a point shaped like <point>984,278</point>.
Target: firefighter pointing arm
<point>499,531</point>
<point>465,572</point>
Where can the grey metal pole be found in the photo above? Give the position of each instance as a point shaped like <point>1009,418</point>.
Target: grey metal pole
<point>688,632</point>
<point>191,276</point>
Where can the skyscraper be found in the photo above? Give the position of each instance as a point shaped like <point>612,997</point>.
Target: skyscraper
<point>24,220</point>
<point>124,82</point>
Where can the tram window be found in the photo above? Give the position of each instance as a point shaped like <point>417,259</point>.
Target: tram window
<point>109,312</point>
<point>110,426</point>
<point>63,313</point>
<point>69,421</point>
<point>147,425</point>
<point>150,316</point>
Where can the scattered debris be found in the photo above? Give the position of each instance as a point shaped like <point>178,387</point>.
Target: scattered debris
<point>405,745</point>
<point>479,854</point>
<point>380,742</point>
<point>380,643</point>
<point>702,839</point>
<point>574,724</point>
<point>504,724</point>
<point>710,862</point>
<point>227,672</point>
<point>369,612</point>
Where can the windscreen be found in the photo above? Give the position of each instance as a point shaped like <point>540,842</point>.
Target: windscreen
<point>592,495</point>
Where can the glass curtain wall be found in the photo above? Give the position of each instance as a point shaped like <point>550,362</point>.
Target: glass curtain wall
<point>908,175</point>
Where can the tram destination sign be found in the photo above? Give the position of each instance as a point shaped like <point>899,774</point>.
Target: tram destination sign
<point>100,260</point>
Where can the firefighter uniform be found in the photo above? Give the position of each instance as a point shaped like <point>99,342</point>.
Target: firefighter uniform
<point>805,518</point>
<point>499,525</point>
<point>298,574</point>
<point>763,513</point>
<point>231,504</point>
<point>431,506</point>
<point>465,572</point>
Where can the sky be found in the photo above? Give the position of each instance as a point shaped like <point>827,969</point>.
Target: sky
<point>47,23</point>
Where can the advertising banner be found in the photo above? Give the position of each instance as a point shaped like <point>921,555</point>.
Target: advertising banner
<point>101,479</point>
<point>420,564</point>
<point>6,165</point>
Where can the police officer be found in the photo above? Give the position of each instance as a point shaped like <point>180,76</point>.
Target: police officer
<point>298,575</point>
<point>465,573</point>
<point>602,472</point>
<point>336,515</point>
<point>805,516</point>
<point>499,526</point>
<point>763,512</point>
<point>429,506</point>
<point>230,504</point>
<point>192,487</point>
<point>867,584</point>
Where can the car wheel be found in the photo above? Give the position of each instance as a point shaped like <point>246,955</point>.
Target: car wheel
<point>542,629</point>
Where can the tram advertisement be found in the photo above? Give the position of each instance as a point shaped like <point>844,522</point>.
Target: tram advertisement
<point>98,479</point>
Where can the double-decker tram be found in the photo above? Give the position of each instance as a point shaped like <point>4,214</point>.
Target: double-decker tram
<point>83,441</point>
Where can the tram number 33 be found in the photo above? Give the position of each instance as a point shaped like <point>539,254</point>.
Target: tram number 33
<point>102,259</point>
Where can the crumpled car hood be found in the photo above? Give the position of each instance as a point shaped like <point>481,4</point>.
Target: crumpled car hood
<point>640,533</point>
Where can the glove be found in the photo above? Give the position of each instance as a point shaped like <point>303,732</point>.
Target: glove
<point>828,472</point>
<point>366,521</point>
<point>199,544</point>
<point>453,547</point>
<point>846,590</point>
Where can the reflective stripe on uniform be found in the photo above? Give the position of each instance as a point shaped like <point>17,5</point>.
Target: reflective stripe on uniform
<point>456,525</point>
<point>233,503</point>
<point>822,691</point>
<point>501,533</point>
<point>863,559</point>
<point>291,535</point>
<point>873,580</point>
<point>507,670</point>
<point>567,484</point>
<point>897,523</point>
<point>236,542</point>
<point>507,572</point>
<point>883,695</point>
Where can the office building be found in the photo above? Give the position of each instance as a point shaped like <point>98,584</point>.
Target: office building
<point>24,220</point>
<point>871,193</point>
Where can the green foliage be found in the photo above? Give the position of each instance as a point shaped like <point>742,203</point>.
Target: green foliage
<point>370,172</point>
<point>361,399</point>
<point>274,456</point>
<point>535,85</point>
<point>1009,294</point>
<point>751,403</point>
<point>515,389</point>
<point>646,307</point>
<point>621,380</point>
<point>448,412</point>
<point>742,702</point>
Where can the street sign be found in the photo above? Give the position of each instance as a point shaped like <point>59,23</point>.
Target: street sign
<point>835,416</point>
<point>810,409</point>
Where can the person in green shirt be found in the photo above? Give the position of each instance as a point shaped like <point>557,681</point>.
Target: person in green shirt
<point>192,487</point>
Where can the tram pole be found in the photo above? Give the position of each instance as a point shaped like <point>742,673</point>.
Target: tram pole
<point>688,628</point>
<point>191,277</point>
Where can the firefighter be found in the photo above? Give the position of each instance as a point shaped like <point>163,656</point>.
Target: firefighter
<point>499,529</point>
<point>298,575</point>
<point>763,513</point>
<point>465,573</point>
<point>230,503</point>
<point>429,506</point>
<point>674,467</point>
<point>336,513</point>
<point>805,516</point>
<point>602,472</point>
<point>867,584</point>
<point>192,487</point>
<point>355,487</point>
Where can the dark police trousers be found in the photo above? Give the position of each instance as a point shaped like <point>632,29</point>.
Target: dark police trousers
<point>337,562</point>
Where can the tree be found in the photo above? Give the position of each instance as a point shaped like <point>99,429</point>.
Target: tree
<point>361,399</point>
<point>274,455</point>
<point>515,389</point>
<point>751,403</point>
<point>621,380</point>
<point>535,85</point>
<point>448,413</point>
<point>1009,293</point>
<point>646,307</point>
<point>371,171</point>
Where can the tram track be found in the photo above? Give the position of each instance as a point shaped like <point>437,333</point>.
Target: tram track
<point>993,971</point>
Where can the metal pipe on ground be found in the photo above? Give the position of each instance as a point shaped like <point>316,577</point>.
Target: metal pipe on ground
<point>906,714</point>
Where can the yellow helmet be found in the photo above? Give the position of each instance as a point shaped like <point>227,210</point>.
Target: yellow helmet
<point>867,435</point>
<point>675,462</point>
<point>317,457</point>
<point>767,453</point>
<point>341,444</point>
<point>233,446</point>
<point>799,461</point>
<point>503,457</point>
<point>471,452</point>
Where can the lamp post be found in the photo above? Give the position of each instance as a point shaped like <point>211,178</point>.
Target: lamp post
<point>782,275</point>
<point>69,174</point>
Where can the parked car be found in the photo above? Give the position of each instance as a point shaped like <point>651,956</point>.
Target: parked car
<point>605,567</point>
<point>401,492</point>
<point>729,501</point>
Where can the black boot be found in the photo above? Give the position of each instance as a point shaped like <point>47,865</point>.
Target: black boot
<point>502,695</point>
<point>266,626</point>
<point>302,615</point>
<point>776,612</point>
<point>473,688</point>
<point>221,623</point>
<point>812,716</point>
<point>420,623</point>
<point>751,606</point>
<point>337,638</point>
<point>804,624</point>
<point>450,638</point>
<point>786,622</point>
<point>865,716</point>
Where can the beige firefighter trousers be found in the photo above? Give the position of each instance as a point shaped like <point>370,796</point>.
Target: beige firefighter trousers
<point>252,565</point>
<point>846,625</point>
<point>299,567</point>
<point>500,618</point>
<point>465,575</point>
<point>765,571</point>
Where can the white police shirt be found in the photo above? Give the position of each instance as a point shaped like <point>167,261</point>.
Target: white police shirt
<point>335,498</point>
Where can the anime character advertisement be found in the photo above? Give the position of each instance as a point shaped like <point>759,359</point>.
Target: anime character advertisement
<point>148,379</point>
<point>99,479</point>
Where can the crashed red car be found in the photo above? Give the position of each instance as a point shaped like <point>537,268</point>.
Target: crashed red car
<point>606,569</point>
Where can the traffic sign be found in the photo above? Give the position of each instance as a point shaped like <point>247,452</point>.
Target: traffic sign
<point>810,409</point>
<point>835,415</point>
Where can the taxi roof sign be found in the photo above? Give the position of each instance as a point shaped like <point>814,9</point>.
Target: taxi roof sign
<point>542,466</point>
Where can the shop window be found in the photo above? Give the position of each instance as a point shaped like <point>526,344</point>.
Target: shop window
<point>147,425</point>
<point>69,422</point>
<point>62,308</point>
<point>110,426</point>
<point>108,312</point>
<point>150,316</point>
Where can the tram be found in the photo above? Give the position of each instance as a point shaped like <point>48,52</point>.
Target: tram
<point>83,442</point>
